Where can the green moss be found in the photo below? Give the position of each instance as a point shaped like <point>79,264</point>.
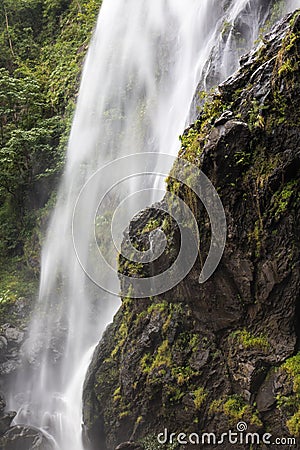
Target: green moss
<point>150,443</point>
<point>146,363</point>
<point>174,394</point>
<point>152,224</point>
<point>226,28</point>
<point>291,404</point>
<point>139,419</point>
<point>163,355</point>
<point>183,375</point>
<point>237,409</point>
<point>242,158</point>
<point>256,115</point>
<point>250,341</point>
<point>158,308</point>
<point>213,107</point>
<point>293,424</point>
<point>117,394</point>
<point>193,141</point>
<point>292,366</point>
<point>190,140</point>
<point>130,268</point>
<point>122,333</point>
<point>199,397</point>
<point>288,66</point>
<point>16,282</point>
<point>161,359</point>
<point>194,342</point>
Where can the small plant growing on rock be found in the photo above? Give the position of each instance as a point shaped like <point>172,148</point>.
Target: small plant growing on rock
<point>199,397</point>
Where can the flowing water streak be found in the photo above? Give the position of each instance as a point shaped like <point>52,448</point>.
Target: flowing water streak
<point>144,64</point>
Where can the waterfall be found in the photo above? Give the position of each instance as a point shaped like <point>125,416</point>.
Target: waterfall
<point>144,64</point>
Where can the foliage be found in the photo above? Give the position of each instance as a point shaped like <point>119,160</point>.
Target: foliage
<point>235,408</point>
<point>43,43</point>
<point>250,341</point>
<point>292,403</point>
<point>199,397</point>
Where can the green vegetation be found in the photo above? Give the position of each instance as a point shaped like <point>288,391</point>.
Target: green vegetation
<point>183,375</point>
<point>291,404</point>
<point>190,140</point>
<point>282,198</point>
<point>151,225</point>
<point>43,43</point>
<point>160,360</point>
<point>292,367</point>
<point>293,424</point>
<point>236,409</point>
<point>199,397</point>
<point>122,333</point>
<point>16,282</point>
<point>250,341</point>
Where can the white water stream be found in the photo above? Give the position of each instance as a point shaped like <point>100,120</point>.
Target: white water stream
<point>144,64</point>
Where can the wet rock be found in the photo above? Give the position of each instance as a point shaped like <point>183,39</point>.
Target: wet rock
<point>5,421</point>
<point>13,335</point>
<point>2,403</point>
<point>3,346</point>
<point>26,438</point>
<point>8,367</point>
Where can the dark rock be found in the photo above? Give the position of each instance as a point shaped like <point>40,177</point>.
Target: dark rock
<point>265,398</point>
<point>5,421</point>
<point>10,366</point>
<point>26,438</point>
<point>3,346</point>
<point>225,116</point>
<point>13,329</point>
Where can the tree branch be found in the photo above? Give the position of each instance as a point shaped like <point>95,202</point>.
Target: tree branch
<point>8,33</point>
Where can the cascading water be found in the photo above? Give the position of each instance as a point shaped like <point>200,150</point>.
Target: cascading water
<point>143,67</point>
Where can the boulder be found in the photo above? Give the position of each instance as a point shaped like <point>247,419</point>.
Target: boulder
<point>26,438</point>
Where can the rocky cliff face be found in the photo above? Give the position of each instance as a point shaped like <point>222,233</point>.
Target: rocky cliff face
<point>202,358</point>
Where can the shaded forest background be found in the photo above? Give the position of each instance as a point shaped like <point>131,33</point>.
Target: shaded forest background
<point>42,48</point>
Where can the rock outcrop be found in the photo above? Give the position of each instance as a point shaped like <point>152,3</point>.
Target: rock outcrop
<point>21,437</point>
<point>26,438</point>
<point>204,357</point>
